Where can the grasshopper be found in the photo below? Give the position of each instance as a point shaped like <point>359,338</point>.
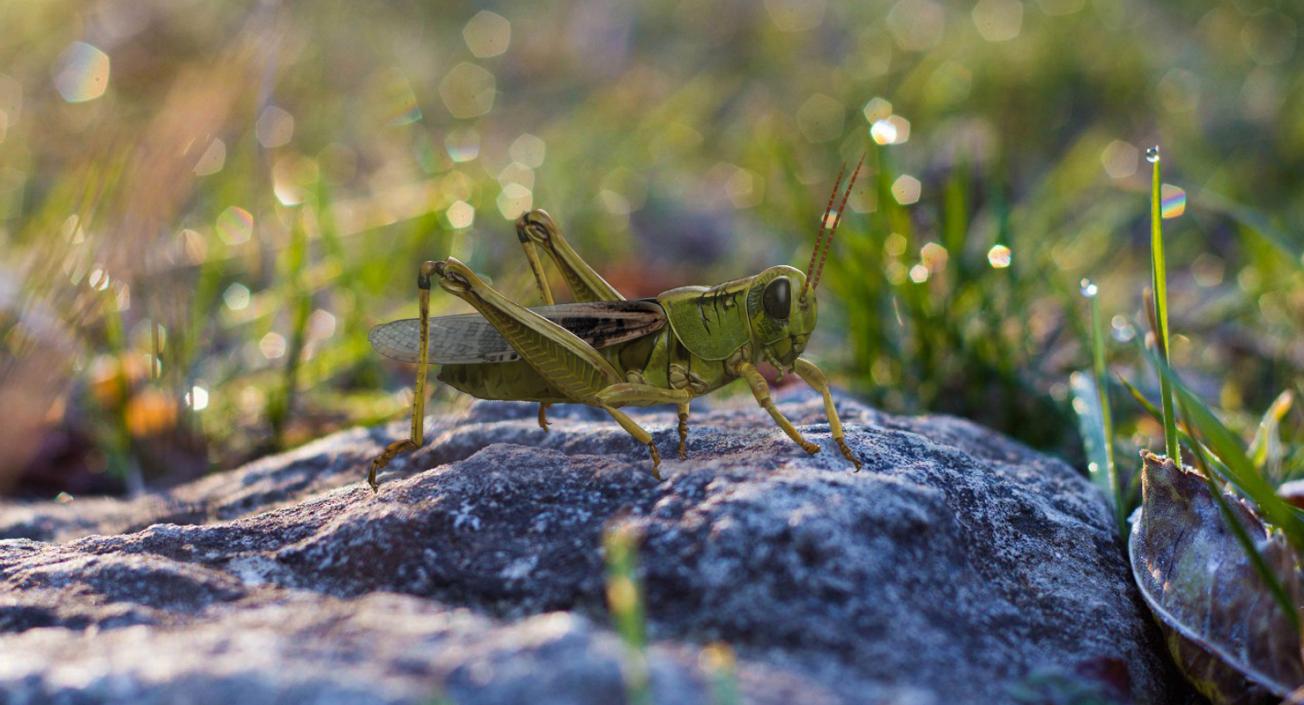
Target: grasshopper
<point>606,351</point>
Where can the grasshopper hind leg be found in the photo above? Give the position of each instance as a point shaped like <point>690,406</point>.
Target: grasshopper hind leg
<point>416,437</point>
<point>573,368</point>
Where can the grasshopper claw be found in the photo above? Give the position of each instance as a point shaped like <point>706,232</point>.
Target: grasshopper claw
<point>846,453</point>
<point>391,451</point>
<point>656,460</point>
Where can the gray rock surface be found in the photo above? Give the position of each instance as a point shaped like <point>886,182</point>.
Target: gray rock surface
<point>957,567</point>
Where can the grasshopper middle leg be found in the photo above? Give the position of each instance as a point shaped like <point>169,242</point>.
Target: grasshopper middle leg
<point>761,390</point>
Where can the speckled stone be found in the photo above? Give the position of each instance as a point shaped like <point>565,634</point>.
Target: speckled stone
<point>957,567</point>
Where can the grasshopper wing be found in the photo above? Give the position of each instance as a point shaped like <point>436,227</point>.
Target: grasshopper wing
<point>468,338</point>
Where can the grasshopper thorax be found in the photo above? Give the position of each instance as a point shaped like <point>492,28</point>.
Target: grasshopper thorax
<point>781,318</point>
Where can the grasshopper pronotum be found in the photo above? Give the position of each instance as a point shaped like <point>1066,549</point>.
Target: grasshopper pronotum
<point>608,352</point>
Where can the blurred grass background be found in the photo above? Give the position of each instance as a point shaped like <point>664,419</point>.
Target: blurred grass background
<point>205,206</point>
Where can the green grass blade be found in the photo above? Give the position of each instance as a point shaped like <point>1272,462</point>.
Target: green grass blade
<point>1254,223</point>
<point>1247,544</point>
<point>1088,405</point>
<point>1266,450</point>
<point>1158,415</point>
<point>1105,413</point>
<point>1159,285</point>
<point>625,601</point>
<point>1241,469</point>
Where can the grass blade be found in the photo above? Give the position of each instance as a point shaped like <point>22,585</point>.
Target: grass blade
<point>1159,285</point>
<point>1266,450</point>
<point>1242,537</point>
<point>625,602</point>
<point>1241,469</point>
<point>1105,414</point>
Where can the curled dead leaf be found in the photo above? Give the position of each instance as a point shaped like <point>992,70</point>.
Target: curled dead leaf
<point>1227,633</point>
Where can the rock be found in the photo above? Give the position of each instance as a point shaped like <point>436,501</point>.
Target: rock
<point>957,567</point>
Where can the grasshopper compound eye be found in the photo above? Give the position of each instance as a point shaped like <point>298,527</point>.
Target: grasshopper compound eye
<point>777,299</point>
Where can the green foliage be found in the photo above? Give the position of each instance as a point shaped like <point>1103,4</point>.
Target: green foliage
<point>1159,295</point>
<point>677,143</point>
<point>625,603</point>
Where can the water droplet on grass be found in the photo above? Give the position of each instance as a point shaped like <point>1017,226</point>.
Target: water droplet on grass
<point>1089,289</point>
<point>1152,154</point>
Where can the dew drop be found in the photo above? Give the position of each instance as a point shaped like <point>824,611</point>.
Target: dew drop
<point>1152,154</point>
<point>1088,289</point>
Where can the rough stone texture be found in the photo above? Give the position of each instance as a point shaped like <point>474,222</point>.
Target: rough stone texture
<point>957,567</point>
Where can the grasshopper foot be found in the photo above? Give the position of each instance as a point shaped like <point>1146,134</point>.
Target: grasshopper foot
<point>683,435</point>
<point>543,416</point>
<point>810,447</point>
<point>391,451</point>
<point>656,460</point>
<point>846,453</point>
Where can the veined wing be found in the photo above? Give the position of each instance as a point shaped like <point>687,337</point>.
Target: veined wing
<point>468,338</point>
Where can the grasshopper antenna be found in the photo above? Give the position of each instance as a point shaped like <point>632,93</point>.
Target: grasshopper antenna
<point>837,220</point>
<point>824,222</point>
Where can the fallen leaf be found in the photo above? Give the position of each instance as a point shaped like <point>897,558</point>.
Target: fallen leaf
<point>1227,633</point>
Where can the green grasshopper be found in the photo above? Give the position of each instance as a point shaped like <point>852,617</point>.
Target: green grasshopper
<point>608,352</point>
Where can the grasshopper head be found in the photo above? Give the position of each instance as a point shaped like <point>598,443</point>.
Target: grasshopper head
<point>781,301</point>
<point>782,320</point>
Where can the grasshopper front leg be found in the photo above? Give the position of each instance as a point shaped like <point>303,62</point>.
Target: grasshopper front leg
<point>761,390</point>
<point>815,378</point>
<point>416,437</point>
<point>570,365</point>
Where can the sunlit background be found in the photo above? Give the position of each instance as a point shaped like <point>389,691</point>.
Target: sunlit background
<point>204,206</point>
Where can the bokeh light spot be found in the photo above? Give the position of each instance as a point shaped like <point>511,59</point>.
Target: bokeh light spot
<point>1172,201</point>
<point>528,150</point>
<point>1178,91</point>
<point>272,346</point>
<point>81,73</point>
<point>236,297</point>
<point>820,118</point>
<point>235,225</point>
<point>487,34</point>
<point>883,132</point>
<point>999,256</point>
<point>514,200</point>
<point>916,25</point>
<point>1119,159</point>
<point>906,189</point>
<point>998,20</point>
<point>1269,37</point>
<point>212,160</point>
<point>462,145</point>
<point>468,90</point>
<point>876,109</point>
<point>933,256</point>
<point>275,127</point>
<point>460,215</point>
<point>197,398</point>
